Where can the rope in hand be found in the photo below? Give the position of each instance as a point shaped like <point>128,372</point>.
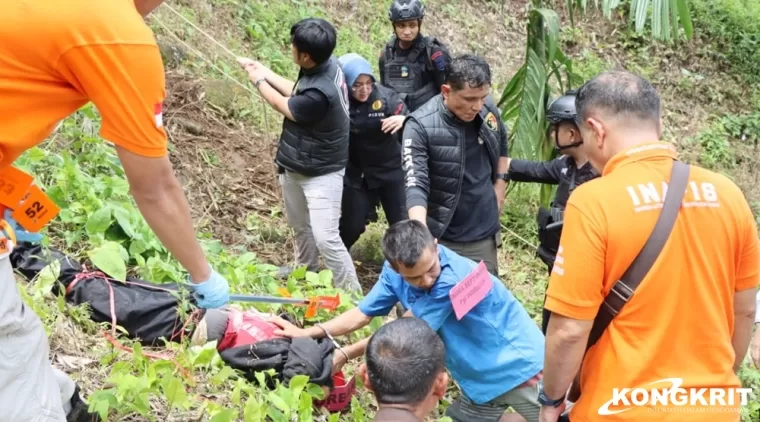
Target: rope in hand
<point>208,61</point>
<point>112,336</point>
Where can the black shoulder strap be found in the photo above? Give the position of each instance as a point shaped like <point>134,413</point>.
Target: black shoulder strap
<point>623,289</point>
<point>389,48</point>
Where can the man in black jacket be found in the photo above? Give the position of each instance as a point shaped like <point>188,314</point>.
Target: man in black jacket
<point>455,163</point>
<point>313,149</point>
<point>568,171</point>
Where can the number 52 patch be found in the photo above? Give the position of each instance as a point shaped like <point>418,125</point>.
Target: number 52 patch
<point>35,211</point>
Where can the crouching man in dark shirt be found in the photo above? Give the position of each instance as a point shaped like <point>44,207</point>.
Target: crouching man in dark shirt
<point>406,370</point>
<point>455,163</point>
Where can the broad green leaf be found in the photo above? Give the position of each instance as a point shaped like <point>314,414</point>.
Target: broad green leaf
<point>261,378</point>
<point>124,220</point>
<point>108,258</point>
<point>205,354</point>
<point>223,375</point>
<point>175,393</point>
<point>305,408</point>
<point>137,247</point>
<point>312,278</point>
<point>298,383</point>
<point>254,410</point>
<point>315,391</point>
<point>551,31</point>
<point>299,273</point>
<point>47,277</point>
<point>99,221</point>
<point>357,411</point>
<point>277,415</point>
<point>684,15</point>
<point>278,402</point>
<point>325,278</point>
<point>226,415</point>
<point>236,392</point>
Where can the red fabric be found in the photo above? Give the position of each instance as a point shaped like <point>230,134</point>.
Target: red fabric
<point>244,328</point>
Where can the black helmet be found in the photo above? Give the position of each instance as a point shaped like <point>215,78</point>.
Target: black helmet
<point>562,109</point>
<point>404,10</point>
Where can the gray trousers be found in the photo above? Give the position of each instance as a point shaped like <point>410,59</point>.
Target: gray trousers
<point>312,207</point>
<point>31,390</point>
<point>481,250</point>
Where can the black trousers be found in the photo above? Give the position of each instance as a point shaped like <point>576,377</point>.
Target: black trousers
<point>545,313</point>
<point>359,202</point>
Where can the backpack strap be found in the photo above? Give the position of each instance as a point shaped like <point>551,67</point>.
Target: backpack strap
<point>623,289</point>
<point>389,49</point>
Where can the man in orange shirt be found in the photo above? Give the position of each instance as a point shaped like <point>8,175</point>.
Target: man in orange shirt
<point>689,322</point>
<point>56,56</point>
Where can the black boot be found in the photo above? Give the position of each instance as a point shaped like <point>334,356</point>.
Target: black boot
<point>79,411</point>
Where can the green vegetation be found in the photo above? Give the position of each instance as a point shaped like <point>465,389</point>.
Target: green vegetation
<point>732,26</point>
<point>221,139</point>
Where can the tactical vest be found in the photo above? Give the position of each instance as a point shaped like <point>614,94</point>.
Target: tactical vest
<point>550,221</point>
<point>446,156</point>
<point>322,147</point>
<point>373,151</point>
<point>405,74</point>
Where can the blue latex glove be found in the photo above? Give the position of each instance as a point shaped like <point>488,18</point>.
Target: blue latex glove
<point>21,234</point>
<point>212,293</point>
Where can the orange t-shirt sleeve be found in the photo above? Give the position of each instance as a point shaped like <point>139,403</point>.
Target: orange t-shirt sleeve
<point>126,84</point>
<point>748,271</point>
<point>576,284</point>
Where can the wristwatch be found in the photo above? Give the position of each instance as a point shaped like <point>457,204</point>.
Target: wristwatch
<point>503,176</point>
<point>544,400</point>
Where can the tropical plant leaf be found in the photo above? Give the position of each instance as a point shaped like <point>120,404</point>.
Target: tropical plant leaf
<point>684,15</point>
<point>528,102</point>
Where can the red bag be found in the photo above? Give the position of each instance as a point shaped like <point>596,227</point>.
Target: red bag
<point>339,398</point>
<point>244,328</point>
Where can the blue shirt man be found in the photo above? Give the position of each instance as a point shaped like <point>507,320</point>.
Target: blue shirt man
<point>493,352</point>
<point>494,348</point>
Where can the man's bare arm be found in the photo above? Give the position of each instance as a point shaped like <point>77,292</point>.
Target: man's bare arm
<point>282,85</point>
<point>744,317</point>
<point>566,340</point>
<point>162,202</point>
<point>346,323</point>
<point>276,100</point>
<point>357,349</point>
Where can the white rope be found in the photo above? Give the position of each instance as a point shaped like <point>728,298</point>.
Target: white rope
<point>201,31</point>
<point>519,237</point>
<point>211,63</point>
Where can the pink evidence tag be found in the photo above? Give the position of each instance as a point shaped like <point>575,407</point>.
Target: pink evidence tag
<point>471,291</point>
